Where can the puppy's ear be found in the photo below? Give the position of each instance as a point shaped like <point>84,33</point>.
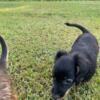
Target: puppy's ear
<point>59,54</point>
<point>82,65</point>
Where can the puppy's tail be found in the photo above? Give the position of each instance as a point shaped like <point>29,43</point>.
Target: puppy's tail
<point>83,29</point>
<point>4,51</point>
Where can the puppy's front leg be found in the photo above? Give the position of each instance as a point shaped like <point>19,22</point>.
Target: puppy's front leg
<point>83,71</point>
<point>79,78</point>
<point>82,68</point>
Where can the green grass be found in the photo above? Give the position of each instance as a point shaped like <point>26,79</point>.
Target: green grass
<point>35,31</point>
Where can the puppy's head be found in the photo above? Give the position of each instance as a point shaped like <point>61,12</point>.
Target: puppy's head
<point>68,69</point>
<point>63,74</point>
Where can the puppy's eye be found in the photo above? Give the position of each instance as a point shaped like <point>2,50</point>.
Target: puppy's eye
<point>68,81</point>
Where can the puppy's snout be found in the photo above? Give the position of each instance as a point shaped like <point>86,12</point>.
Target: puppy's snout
<point>56,97</point>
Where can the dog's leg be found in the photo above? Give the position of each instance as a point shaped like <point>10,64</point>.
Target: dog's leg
<point>83,66</point>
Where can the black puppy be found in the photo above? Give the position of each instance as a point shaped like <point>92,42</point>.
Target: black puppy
<point>77,66</point>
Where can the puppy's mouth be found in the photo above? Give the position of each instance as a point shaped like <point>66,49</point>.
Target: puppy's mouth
<point>67,85</point>
<point>60,99</point>
<point>57,97</point>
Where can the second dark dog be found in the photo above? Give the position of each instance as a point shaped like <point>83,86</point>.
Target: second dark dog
<point>5,82</point>
<point>79,65</point>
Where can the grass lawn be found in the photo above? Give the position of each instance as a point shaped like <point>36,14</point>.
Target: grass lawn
<point>35,31</point>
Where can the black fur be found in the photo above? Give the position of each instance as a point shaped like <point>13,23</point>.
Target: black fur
<point>77,66</point>
<point>3,54</point>
<point>59,54</point>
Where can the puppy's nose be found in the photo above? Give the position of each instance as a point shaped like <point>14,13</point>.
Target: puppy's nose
<point>56,97</point>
